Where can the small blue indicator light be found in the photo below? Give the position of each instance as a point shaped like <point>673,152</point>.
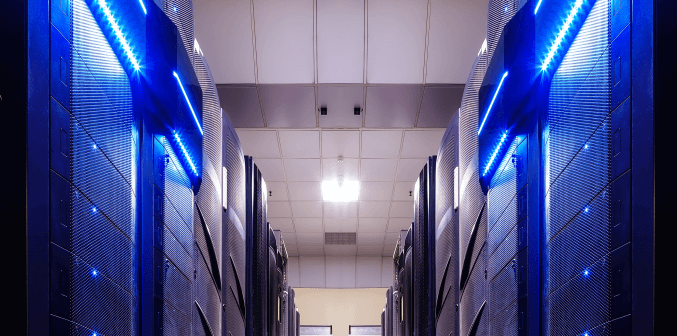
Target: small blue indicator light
<point>174,9</point>
<point>505,9</point>
<point>492,102</point>
<point>116,28</point>
<point>185,153</point>
<point>537,6</point>
<point>95,273</point>
<point>493,156</point>
<point>93,209</point>
<point>587,209</point>
<point>586,146</point>
<point>143,7</point>
<point>188,102</point>
<point>586,334</point>
<point>94,146</point>
<point>586,272</point>
<point>560,37</point>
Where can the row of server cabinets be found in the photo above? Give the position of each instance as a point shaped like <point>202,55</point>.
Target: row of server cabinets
<point>148,219</point>
<point>529,219</point>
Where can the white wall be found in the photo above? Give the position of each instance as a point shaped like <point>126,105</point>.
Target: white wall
<point>340,272</point>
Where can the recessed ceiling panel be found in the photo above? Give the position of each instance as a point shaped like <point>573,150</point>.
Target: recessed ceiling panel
<point>277,191</point>
<point>289,239</point>
<point>306,209</point>
<point>340,41</point>
<point>341,143</point>
<point>421,144</point>
<point>402,209</point>
<point>409,169</point>
<point>377,225</point>
<point>340,209</point>
<point>439,104</point>
<point>300,144</point>
<point>305,191</point>
<point>390,242</point>
<point>395,225</point>
<point>376,191</point>
<point>369,238</point>
<point>310,238</point>
<point>284,41</point>
<point>396,43</point>
<point>224,31</point>
<point>304,225</point>
<point>404,191</point>
<point>312,250</point>
<point>288,106</point>
<point>381,144</point>
<point>457,30</point>
<point>271,169</point>
<point>374,209</point>
<point>340,224</point>
<point>332,168</point>
<point>241,105</point>
<point>340,101</point>
<point>378,169</point>
<point>305,170</point>
<point>279,209</point>
<point>283,224</point>
<point>392,106</point>
<point>259,143</point>
<point>348,278</point>
<point>369,250</point>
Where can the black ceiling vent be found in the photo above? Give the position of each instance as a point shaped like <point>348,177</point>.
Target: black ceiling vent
<point>340,238</point>
<point>323,110</point>
<point>357,110</point>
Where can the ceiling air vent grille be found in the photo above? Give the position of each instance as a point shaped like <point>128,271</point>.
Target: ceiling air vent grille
<point>340,238</point>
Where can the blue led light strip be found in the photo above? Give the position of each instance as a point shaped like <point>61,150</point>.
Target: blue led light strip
<point>493,156</point>
<point>492,102</point>
<point>143,7</point>
<point>561,34</point>
<point>185,153</point>
<point>537,6</point>
<point>188,102</point>
<point>118,33</point>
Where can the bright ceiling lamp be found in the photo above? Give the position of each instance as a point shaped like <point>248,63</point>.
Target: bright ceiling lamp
<point>347,191</point>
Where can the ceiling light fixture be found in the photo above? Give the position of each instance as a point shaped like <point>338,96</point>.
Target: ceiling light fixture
<point>334,191</point>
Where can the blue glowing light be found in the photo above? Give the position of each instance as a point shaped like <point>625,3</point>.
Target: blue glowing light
<point>586,146</point>
<point>188,102</point>
<point>587,209</point>
<point>143,7</point>
<point>562,32</point>
<point>537,6</point>
<point>493,156</point>
<point>492,102</point>
<point>93,209</point>
<point>95,272</point>
<point>185,153</point>
<point>94,146</point>
<point>586,273</point>
<point>586,334</point>
<point>116,28</point>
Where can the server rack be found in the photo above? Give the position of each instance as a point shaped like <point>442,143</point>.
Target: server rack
<point>446,233</point>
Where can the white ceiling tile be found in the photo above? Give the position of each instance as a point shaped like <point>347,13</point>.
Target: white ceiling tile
<point>391,241</point>
<point>230,51</point>
<point>284,41</point>
<point>370,238</point>
<point>374,209</point>
<point>310,238</point>
<point>289,239</point>
<point>283,224</point>
<point>340,143</point>
<point>392,106</point>
<point>293,250</point>
<point>402,209</point>
<point>439,105</point>
<point>451,53</point>
<point>340,41</point>
<point>396,42</point>
<point>368,250</point>
<point>288,106</point>
<point>419,144</point>
<point>376,191</point>
<point>307,209</point>
<point>395,225</point>
<point>349,168</point>
<point>311,250</point>
<point>302,169</point>
<point>340,224</point>
<point>271,169</point>
<point>409,169</point>
<point>305,191</point>
<point>404,191</point>
<point>378,169</point>
<point>381,144</point>
<point>306,225</point>
<point>300,144</point>
<point>335,250</point>
<point>340,209</point>
<point>372,225</point>
<point>241,105</point>
<point>277,191</point>
<point>340,101</point>
<point>279,209</point>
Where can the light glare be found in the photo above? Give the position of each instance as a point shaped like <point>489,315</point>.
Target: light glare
<point>188,102</point>
<point>333,192</point>
<point>118,33</point>
<point>562,33</point>
<point>185,153</point>
<point>492,102</point>
<point>493,156</point>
